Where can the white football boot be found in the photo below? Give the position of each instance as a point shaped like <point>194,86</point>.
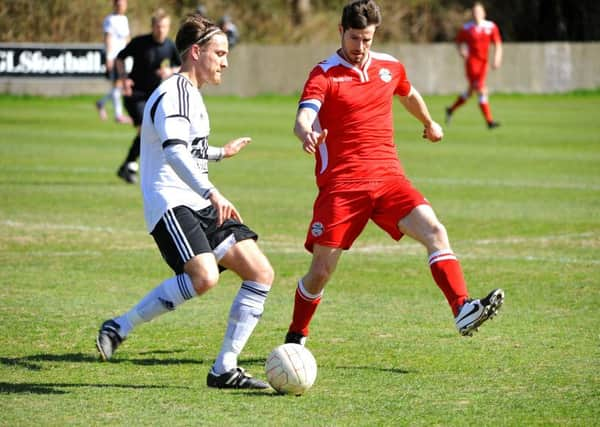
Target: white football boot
<point>474,312</point>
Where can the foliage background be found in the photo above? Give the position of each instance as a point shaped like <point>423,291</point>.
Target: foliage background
<point>272,21</point>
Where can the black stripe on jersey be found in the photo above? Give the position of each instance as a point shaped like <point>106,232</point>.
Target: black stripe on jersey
<point>155,106</point>
<point>181,243</point>
<point>178,115</point>
<point>173,142</point>
<point>184,96</point>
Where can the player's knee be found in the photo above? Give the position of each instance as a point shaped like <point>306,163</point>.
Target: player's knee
<point>253,266</point>
<point>205,282</point>
<point>438,236</point>
<point>320,274</point>
<point>265,274</point>
<point>203,272</point>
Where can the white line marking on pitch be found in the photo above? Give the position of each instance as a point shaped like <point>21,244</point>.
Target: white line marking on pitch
<point>509,184</point>
<point>67,227</point>
<point>290,247</point>
<point>439,181</point>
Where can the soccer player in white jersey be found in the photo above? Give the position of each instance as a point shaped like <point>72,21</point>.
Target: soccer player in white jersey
<point>116,36</point>
<point>198,231</point>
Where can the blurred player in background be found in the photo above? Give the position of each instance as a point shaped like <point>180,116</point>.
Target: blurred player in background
<point>155,58</point>
<point>198,231</point>
<point>230,29</point>
<point>225,23</point>
<point>116,36</point>
<point>473,43</point>
<point>345,119</point>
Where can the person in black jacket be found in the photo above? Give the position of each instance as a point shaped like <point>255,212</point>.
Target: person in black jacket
<point>155,58</point>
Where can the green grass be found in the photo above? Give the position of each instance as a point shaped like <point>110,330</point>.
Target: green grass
<point>521,204</point>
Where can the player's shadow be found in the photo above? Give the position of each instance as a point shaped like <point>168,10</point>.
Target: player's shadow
<point>57,388</point>
<point>35,362</point>
<point>375,368</point>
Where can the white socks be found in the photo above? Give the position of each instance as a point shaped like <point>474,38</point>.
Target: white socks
<point>115,95</point>
<point>246,310</point>
<point>165,297</point>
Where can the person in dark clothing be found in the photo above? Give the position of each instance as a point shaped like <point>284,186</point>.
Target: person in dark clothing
<point>230,30</point>
<point>155,58</point>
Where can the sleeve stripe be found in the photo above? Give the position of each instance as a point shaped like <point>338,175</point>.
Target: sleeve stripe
<point>170,142</point>
<point>184,97</point>
<point>313,104</point>
<point>207,193</point>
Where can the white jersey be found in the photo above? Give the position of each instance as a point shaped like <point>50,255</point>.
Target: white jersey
<point>174,114</point>
<point>118,28</point>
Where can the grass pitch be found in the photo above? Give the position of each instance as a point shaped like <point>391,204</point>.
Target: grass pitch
<point>521,204</point>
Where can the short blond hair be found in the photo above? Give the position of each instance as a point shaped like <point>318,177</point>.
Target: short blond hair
<point>158,15</point>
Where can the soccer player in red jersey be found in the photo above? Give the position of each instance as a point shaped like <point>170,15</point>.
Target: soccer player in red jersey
<point>345,119</point>
<point>473,42</point>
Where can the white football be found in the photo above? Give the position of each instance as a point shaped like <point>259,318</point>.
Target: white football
<point>291,369</point>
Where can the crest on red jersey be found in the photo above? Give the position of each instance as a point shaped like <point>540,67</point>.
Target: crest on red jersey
<point>385,75</point>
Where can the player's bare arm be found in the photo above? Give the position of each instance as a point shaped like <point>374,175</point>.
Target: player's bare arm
<point>462,49</point>
<point>303,129</point>
<point>235,146</point>
<point>126,83</point>
<point>415,105</point>
<point>497,55</point>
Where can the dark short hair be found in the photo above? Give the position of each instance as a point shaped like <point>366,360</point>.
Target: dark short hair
<point>195,29</point>
<point>360,14</point>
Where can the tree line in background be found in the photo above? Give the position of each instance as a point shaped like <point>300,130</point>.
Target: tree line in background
<point>308,21</point>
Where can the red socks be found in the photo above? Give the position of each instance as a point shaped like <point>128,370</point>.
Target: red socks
<point>446,272</point>
<point>484,106</point>
<point>487,112</point>
<point>305,305</point>
<point>448,275</point>
<point>459,101</point>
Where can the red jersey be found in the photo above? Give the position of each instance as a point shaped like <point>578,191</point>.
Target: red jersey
<point>478,38</point>
<point>355,106</point>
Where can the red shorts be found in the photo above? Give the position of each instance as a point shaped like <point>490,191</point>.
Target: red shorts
<point>342,210</point>
<point>476,73</point>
